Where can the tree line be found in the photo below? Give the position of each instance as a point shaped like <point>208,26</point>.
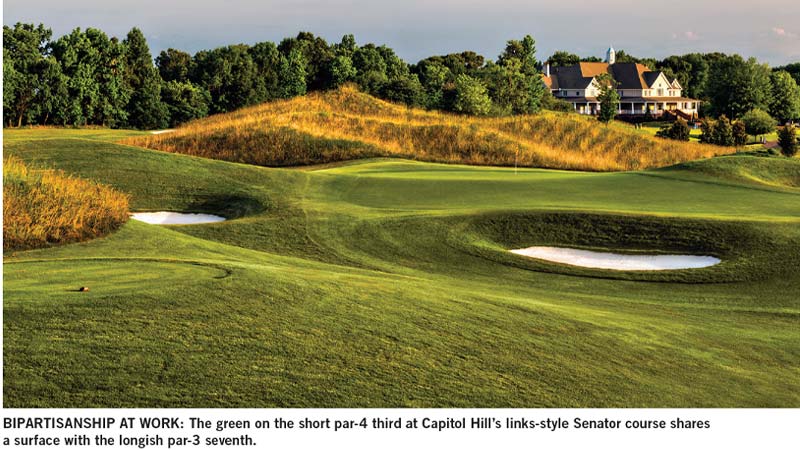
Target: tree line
<point>88,78</point>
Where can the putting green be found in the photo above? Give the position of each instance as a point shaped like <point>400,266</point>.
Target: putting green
<point>388,283</point>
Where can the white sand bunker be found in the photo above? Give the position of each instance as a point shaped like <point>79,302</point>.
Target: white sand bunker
<point>616,261</point>
<point>175,218</point>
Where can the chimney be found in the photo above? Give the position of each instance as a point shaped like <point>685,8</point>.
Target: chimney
<point>547,69</point>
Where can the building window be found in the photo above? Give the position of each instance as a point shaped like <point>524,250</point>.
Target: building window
<point>577,93</point>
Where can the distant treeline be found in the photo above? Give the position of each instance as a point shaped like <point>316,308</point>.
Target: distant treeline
<point>87,78</point>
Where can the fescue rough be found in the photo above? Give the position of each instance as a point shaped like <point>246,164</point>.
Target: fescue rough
<point>346,124</point>
<point>46,207</point>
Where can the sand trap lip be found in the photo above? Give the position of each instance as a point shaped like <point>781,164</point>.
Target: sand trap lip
<point>175,218</point>
<point>162,131</point>
<point>616,261</point>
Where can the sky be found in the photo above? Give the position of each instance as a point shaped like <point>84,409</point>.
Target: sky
<point>767,29</point>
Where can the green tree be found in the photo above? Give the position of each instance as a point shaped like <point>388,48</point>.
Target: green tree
<point>346,47</point>
<point>562,58</point>
<point>267,61</point>
<point>698,75</point>
<point>678,130</point>
<point>293,75</point>
<point>341,67</point>
<point>145,108</point>
<point>787,140</point>
<point>739,133</point>
<point>317,55</point>
<point>524,52</point>
<point>406,90</point>
<point>622,57</point>
<point>11,80</point>
<point>551,103</point>
<point>230,75</point>
<point>707,130</point>
<point>758,122</point>
<point>94,67</point>
<point>174,65</point>
<point>342,71</point>
<point>114,91</point>
<point>505,86</point>
<point>723,132</point>
<point>515,83</point>
<point>26,47</point>
<point>608,98</point>
<point>785,101</point>
<point>434,77</point>
<point>184,101</point>
<point>471,96</point>
<point>736,86</point>
<point>370,69</point>
<point>53,94</point>
<point>793,69</point>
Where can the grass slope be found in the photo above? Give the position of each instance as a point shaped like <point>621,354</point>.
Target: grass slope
<point>386,283</point>
<point>346,124</point>
<point>43,207</point>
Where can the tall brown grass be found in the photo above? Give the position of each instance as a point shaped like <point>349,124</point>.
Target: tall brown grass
<point>347,124</point>
<point>46,207</point>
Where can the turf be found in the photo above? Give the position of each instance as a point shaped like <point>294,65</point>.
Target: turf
<point>385,283</point>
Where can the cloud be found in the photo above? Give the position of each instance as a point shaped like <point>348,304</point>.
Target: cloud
<point>782,33</point>
<point>686,35</point>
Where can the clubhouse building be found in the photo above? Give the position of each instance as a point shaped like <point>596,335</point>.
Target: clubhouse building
<point>641,90</point>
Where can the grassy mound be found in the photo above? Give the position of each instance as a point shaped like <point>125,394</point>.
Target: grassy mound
<point>347,124</point>
<point>45,207</point>
<point>776,172</point>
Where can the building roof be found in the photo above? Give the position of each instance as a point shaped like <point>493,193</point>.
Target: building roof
<point>629,75</point>
<point>570,77</point>
<point>593,69</point>
<point>580,76</point>
<point>650,78</point>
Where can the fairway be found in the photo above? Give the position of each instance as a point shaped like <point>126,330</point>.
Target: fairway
<point>388,283</point>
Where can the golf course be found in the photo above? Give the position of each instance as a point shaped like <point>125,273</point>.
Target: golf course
<point>388,282</point>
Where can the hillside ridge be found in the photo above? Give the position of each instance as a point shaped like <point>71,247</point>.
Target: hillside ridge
<point>346,124</point>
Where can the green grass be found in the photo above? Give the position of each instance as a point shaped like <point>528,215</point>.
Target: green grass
<point>385,283</point>
<point>652,128</point>
<point>753,142</point>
